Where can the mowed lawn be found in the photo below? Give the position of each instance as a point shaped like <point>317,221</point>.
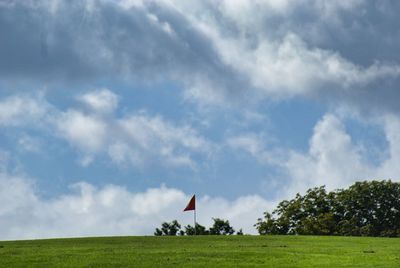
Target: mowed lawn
<point>203,251</point>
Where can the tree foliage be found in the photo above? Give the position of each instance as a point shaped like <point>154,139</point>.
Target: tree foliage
<point>219,227</point>
<point>364,209</point>
<point>168,228</point>
<point>200,230</point>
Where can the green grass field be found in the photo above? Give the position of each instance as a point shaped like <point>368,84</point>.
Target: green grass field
<point>203,251</point>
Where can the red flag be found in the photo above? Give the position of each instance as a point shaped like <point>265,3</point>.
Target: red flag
<point>191,205</point>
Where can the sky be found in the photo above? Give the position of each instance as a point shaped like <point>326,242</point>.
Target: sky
<point>114,113</point>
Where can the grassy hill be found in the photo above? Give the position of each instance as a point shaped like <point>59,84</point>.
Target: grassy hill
<point>203,251</point>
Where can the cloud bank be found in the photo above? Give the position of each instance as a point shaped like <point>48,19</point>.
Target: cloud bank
<point>218,51</point>
<point>110,210</point>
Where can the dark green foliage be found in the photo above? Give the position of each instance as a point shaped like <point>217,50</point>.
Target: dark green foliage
<point>268,225</point>
<point>168,228</point>
<point>364,209</point>
<point>200,230</point>
<point>158,232</point>
<point>221,227</point>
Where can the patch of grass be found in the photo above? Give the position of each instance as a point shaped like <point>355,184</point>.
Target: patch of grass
<point>203,251</point>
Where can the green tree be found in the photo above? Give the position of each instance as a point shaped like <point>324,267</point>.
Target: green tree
<point>168,228</point>
<point>200,230</point>
<point>369,208</point>
<point>221,227</point>
<point>268,225</point>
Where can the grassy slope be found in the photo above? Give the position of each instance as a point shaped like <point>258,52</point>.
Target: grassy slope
<point>205,251</point>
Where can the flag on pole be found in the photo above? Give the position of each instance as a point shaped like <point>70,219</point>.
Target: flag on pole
<point>192,204</point>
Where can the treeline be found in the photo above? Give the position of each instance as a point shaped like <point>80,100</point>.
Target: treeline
<point>369,208</point>
<point>219,227</point>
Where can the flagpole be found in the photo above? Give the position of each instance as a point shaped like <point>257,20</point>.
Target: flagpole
<point>194,214</point>
<point>192,206</point>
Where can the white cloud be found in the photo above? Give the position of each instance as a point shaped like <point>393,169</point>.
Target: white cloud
<point>389,168</point>
<point>100,100</point>
<point>332,159</point>
<point>258,147</point>
<point>252,144</point>
<point>242,212</point>
<point>136,138</point>
<point>287,67</point>
<point>143,138</point>
<point>279,61</point>
<point>84,131</point>
<point>110,210</point>
<point>335,160</point>
<point>219,51</point>
<point>20,110</point>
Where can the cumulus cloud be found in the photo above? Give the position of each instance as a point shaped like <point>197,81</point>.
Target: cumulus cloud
<point>110,210</point>
<point>136,138</point>
<point>332,159</point>
<point>219,51</point>
<point>336,160</point>
<point>84,131</point>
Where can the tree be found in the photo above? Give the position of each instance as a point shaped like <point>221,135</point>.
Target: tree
<point>158,232</point>
<point>221,227</point>
<point>267,226</point>
<point>308,214</point>
<point>364,209</point>
<point>200,230</point>
<point>170,228</point>
<point>371,209</point>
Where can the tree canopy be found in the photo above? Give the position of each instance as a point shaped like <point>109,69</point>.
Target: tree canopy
<point>219,227</point>
<point>369,208</point>
<point>168,228</point>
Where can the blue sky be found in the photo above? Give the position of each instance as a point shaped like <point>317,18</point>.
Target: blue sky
<point>113,113</point>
